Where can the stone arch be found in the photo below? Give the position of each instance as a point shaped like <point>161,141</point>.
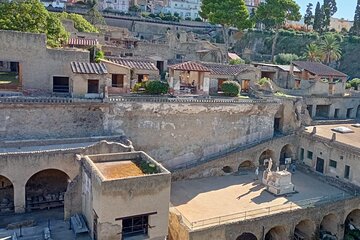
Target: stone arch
<point>246,165</point>
<point>352,221</point>
<point>246,236</point>
<point>6,195</point>
<point>267,154</point>
<point>277,233</point>
<point>286,151</point>
<point>329,225</point>
<point>46,189</point>
<point>305,230</point>
<point>227,169</point>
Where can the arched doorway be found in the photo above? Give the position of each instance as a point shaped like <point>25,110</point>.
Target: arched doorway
<point>227,169</point>
<point>358,112</point>
<point>246,166</point>
<point>329,226</point>
<point>46,189</point>
<point>277,233</point>
<point>352,225</point>
<point>246,236</point>
<point>286,152</point>
<point>6,195</point>
<point>267,154</point>
<point>304,230</point>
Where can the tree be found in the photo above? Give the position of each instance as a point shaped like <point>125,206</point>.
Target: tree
<point>330,49</point>
<point>313,53</point>
<point>94,16</point>
<point>274,14</point>
<point>329,9</point>
<point>318,18</point>
<point>308,17</point>
<point>227,13</point>
<point>355,29</point>
<point>31,16</point>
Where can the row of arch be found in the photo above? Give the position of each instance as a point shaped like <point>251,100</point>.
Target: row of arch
<point>44,186</point>
<point>306,229</point>
<point>286,151</point>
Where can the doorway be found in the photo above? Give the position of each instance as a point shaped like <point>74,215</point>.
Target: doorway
<point>320,165</point>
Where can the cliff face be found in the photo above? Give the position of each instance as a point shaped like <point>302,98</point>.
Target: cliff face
<point>256,46</point>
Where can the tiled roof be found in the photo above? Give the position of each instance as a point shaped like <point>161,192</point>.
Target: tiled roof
<point>88,68</point>
<point>190,66</point>
<point>319,69</point>
<point>285,68</point>
<point>82,42</point>
<point>224,69</point>
<point>134,63</point>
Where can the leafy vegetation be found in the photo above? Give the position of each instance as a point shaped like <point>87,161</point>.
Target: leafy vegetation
<point>274,13</point>
<point>354,83</point>
<point>138,86</point>
<point>231,88</point>
<point>148,168</point>
<point>229,13</point>
<point>263,81</point>
<point>31,16</point>
<point>164,17</point>
<point>80,23</point>
<point>156,87</point>
<point>236,61</point>
<point>99,55</point>
<point>286,58</point>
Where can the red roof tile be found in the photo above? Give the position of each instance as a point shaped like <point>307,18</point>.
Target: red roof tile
<point>134,63</point>
<point>82,42</point>
<point>190,66</point>
<point>88,68</point>
<point>319,69</point>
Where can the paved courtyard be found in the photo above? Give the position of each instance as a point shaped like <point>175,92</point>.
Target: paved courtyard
<point>59,228</point>
<point>213,197</point>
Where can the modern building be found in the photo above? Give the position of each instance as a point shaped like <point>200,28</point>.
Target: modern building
<point>185,8</point>
<point>117,5</point>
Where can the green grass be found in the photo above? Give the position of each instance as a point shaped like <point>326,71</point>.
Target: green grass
<point>8,78</point>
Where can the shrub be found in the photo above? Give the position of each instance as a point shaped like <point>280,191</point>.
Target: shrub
<point>354,83</point>
<point>231,88</point>
<point>286,58</point>
<point>236,61</point>
<point>137,86</point>
<point>156,87</point>
<point>263,81</point>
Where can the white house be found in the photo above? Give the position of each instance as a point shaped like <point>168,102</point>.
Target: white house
<point>118,5</point>
<point>185,8</point>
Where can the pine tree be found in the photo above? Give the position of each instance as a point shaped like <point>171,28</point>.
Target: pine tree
<point>308,17</point>
<point>329,9</point>
<point>318,18</point>
<point>356,27</point>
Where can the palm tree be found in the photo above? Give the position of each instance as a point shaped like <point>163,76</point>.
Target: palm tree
<point>313,53</point>
<point>329,46</point>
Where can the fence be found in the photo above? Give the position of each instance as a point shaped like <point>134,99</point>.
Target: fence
<point>262,212</point>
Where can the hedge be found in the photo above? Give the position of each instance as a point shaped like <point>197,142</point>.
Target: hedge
<point>231,88</point>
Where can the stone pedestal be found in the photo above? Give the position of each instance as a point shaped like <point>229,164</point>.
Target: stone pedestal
<point>278,183</point>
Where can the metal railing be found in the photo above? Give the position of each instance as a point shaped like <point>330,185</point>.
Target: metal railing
<point>261,212</point>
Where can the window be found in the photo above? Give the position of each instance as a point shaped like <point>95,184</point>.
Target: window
<point>134,226</point>
<point>93,86</point>
<point>336,114</point>
<point>333,163</point>
<point>118,80</point>
<point>309,155</point>
<point>347,172</point>
<point>143,78</point>
<point>60,84</point>
<point>302,151</point>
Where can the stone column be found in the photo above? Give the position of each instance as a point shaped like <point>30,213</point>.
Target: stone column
<point>19,197</point>
<point>206,85</point>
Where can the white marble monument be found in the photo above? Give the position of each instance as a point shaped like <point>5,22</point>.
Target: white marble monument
<point>279,182</point>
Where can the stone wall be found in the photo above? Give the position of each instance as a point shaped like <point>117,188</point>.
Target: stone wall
<point>174,133</point>
<point>40,121</point>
